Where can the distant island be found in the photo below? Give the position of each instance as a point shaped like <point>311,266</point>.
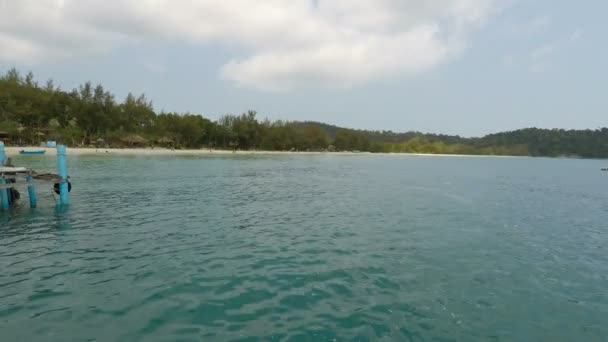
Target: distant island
<point>90,116</point>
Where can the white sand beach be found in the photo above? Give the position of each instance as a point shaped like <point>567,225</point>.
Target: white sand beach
<point>155,151</point>
<point>14,150</point>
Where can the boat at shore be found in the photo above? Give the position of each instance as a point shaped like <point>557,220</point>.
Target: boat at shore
<point>32,153</point>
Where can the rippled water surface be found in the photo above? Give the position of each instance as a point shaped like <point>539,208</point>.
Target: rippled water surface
<point>310,248</point>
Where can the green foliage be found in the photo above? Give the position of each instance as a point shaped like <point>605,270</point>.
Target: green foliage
<point>352,140</point>
<point>91,115</point>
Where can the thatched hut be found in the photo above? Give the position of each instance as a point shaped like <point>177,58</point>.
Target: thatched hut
<point>165,142</point>
<point>134,141</point>
<point>39,137</point>
<point>100,142</point>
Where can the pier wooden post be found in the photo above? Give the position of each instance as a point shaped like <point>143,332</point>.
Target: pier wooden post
<point>31,191</point>
<point>4,196</point>
<point>62,169</point>
<point>3,192</point>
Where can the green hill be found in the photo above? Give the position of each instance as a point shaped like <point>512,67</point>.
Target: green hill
<point>90,115</point>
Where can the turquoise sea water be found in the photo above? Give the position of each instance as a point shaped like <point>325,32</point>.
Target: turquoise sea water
<point>311,248</point>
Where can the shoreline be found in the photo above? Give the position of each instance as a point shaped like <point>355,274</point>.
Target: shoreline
<point>79,151</point>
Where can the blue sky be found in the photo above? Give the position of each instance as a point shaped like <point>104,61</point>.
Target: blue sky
<point>467,67</point>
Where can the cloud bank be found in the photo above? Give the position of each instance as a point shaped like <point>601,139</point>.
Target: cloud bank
<point>282,44</point>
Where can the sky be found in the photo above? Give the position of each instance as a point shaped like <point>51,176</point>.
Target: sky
<point>467,67</point>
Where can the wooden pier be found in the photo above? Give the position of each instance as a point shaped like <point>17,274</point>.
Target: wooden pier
<point>11,176</point>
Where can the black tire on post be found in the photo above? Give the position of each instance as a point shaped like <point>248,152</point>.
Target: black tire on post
<point>14,195</point>
<point>56,187</point>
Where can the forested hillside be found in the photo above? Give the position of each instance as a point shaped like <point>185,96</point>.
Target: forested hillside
<point>31,113</point>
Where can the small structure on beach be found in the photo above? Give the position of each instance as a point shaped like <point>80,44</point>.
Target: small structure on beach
<point>101,143</point>
<point>40,136</point>
<point>11,175</point>
<point>165,142</point>
<point>134,140</point>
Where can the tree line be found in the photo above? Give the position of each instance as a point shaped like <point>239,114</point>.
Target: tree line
<point>31,113</point>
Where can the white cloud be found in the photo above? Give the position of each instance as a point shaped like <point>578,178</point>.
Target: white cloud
<point>341,63</point>
<point>12,48</point>
<point>285,43</point>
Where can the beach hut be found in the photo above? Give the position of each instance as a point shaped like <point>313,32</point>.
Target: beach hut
<point>100,143</point>
<point>165,142</point>
<point>134,141</point>
<point>39,137</point>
